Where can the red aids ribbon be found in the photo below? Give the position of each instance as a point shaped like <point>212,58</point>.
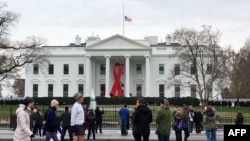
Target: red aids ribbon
<point>117,72</point>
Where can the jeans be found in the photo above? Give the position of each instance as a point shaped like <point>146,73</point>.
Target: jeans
<point>190,126</point>
<point>211,135</point>
<point>123,126</point>
<point>162,137</point>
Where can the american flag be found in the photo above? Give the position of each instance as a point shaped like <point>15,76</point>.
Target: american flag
<point>127,19</point>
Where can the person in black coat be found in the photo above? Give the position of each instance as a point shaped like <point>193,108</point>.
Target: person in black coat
<point>91,123</point>
<point>142,119</point>
<point>65,119</point>
<point>239,119</point>
<point>99,112</point>
<point>198,119</point>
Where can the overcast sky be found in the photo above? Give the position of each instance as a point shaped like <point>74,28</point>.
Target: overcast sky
<point>59,21</point>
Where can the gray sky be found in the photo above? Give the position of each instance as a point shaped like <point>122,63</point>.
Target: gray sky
<point>59,21</point>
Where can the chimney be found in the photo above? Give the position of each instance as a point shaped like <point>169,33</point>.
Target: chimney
<point>78,40</point>
<point>168,40</point>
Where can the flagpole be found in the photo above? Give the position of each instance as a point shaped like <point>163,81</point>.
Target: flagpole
<point>123,19</point>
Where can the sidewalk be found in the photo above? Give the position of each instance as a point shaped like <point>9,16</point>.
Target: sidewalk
<point>115,135</point>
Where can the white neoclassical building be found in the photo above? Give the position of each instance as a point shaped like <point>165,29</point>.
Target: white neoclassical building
<point>116,65</point>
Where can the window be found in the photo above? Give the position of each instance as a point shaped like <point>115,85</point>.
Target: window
<point>65,90</point>
<point>80,69</point>
<point>177,69</point>
<point>102,69</point>
<point>51,69</point>
<point>209,68</point>
<point>192,69</point>
<point>66,69</point>
<point>138,90</point>
<point>81,88</point>
<point>193,91</point>
<point>138,69</point>
<point>35,90</point>
<point>161,69</point>
<point>35,69</point>
<point>177,90</point>
<point>161,90</point>
<point>102,90</point>
<point>50,90</point>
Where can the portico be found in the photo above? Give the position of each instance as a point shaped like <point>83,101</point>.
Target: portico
<point>133,56</point>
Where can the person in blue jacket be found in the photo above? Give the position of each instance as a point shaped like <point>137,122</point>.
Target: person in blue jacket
<point>124,117</point>
<point>52,124</point>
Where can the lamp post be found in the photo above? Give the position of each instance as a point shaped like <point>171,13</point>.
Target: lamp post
<point>10,105</point>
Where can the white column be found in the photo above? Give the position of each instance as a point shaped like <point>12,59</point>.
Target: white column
<point>147,76</point>
<point>127,89</point>
<point>88,77</point>
<point>107,90</point>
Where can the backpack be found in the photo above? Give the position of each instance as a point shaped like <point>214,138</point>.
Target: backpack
<point>91,118</point>
<point>39,121</point>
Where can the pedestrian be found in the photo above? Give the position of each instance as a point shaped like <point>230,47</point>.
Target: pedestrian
<point>38,123</point>
<point>143,118</point>
<point>132,121</point>
<point>185,118</point>
<point>65,119</point>
<point>163,121</point>
<point>99,112</point>
<point>239,119</point>
<point>198,119</point>
<point>33,117</point>
<point>209,122</point>
<point>124,117</point>
<point>85,123</point>
<point>178,125</point>
<point>91,120</point>
<point>77,117</point>
<point>52,124</point>
<point>22,131</point>
<point>191,119</point>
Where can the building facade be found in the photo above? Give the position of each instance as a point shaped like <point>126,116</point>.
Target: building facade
<point>113,66</point>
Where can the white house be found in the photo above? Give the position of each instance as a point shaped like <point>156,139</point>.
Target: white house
<point>116,65</point>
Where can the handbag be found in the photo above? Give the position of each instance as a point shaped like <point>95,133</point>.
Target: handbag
<point>175,125</point>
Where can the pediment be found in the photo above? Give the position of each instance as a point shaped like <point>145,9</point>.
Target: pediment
<point>117,42</point>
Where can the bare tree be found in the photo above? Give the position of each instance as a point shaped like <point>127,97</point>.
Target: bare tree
<point>15,55</point>
<point>240,79</point>
<point>200,59</point>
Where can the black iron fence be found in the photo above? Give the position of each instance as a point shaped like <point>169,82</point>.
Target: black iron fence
<point>111,117</point>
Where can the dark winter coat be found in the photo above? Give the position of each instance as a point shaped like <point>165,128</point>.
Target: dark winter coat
<point>142,120</point>
<point>198,118</point>
<point>99,114</point>
<point>65,119</point>
<point>91,120</point>
<point>51,124</point>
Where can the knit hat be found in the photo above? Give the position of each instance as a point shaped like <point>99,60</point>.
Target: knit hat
<point>77,96</point>
<point>53,103</point>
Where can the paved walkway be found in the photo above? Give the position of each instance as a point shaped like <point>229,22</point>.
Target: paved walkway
<point>115,135</point>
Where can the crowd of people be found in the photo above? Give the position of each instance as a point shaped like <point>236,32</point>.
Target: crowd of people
<point>78,119</point>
